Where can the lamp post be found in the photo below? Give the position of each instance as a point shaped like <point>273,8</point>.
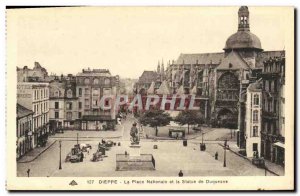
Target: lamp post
<point>225,146</point>
<point>59,155</point>
<point>77,138</point>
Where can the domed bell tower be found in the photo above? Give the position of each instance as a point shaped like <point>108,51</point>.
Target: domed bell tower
<point>243,15</point>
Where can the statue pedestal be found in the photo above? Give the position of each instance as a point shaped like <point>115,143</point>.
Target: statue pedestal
<point>135,151</point>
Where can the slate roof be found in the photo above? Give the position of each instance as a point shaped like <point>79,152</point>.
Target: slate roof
<point>233,61</point>
<point>241,40</point>
<point>23,111</point>
<point>148,77</point>
<point>201,58</point>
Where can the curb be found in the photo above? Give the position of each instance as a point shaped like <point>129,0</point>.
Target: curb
<point>248,159</point>
<point>38,154</point>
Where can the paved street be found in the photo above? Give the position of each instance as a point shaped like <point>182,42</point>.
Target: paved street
<point>170,157</point>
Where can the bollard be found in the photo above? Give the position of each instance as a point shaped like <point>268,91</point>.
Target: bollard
<point>184,142</point>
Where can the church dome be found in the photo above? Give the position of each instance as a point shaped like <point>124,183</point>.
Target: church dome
<point>243,40</point>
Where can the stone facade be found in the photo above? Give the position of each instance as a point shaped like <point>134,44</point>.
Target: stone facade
<point>273,76</point>
<point>35,96</point>
<point>91,86</point>
<point>253,119</point>
<point>24,130</point>
<point>63,103</point>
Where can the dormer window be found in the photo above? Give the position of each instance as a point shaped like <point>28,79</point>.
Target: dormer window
<point>96,81</point>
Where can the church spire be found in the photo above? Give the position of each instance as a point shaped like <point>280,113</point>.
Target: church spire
<point>158,68</point>
<point>243,19</point>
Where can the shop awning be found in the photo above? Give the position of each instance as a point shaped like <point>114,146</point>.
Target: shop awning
<point>279,144</point>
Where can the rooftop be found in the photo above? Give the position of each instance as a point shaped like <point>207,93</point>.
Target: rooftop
<point>23,111</point>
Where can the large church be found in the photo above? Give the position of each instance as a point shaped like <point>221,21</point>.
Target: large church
<point>217,79</point>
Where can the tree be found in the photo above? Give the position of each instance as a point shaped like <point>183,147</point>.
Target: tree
<point>155,118</point>
<point>189,117</point>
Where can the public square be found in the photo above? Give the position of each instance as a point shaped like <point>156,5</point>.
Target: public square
<point>170,156</point>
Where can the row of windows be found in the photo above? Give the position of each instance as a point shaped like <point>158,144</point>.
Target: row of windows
<point>40,107</point>
<point>23,128</point>
<point>270,85</point>
<point>270,127</point>
<point>40,93</point>
<point>273,68</point>
<point>95,92</point>
<point>96,81</point>
<point>42,120</point>
<point>270,105</point>
<point>69,115</point>
<point>69,93</point>
<point>69,105</point>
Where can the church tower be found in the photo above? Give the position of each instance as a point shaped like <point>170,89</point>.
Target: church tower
<point>158,68</point>
<point>243,19</point>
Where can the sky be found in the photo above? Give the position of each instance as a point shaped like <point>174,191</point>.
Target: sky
<point>129,40</point>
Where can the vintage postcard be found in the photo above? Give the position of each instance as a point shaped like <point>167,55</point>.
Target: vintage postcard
<point>150,98</point>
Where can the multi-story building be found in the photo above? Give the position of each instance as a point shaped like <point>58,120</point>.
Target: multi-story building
<point>253,119</point>
<point>91,86</point>
<point>35,97</point>
<point>24,130</point>
<point>63,103</point>
<point>273,76</point>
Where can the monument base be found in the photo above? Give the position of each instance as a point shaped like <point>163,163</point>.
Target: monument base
<point>135,150</point>
<point>131,163</point>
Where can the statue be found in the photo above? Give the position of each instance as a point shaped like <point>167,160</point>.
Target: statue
<point>134,134</point>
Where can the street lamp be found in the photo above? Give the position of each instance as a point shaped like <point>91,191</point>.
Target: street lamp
<point>59,155</point>
<point>225,146</point>
<point>77,138</point>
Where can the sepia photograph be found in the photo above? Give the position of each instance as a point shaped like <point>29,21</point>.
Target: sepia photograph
<point>164,98</point>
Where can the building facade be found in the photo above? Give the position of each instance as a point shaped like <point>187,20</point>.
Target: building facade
<point>35,97</point>
<point>253,119</point>
<point>24,130</point>
<point>273,77</point>
<point>217,79</point>
<point>91,86</point>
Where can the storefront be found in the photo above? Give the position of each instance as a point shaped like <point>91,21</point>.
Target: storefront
<point>98,123</point>
<point>279,153</point>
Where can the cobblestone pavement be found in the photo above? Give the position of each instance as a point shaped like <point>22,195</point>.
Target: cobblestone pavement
<point>170,157</point>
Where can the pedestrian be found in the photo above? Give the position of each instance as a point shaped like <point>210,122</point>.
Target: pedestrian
<point>216,156</point>
<point>88,151</point>
<point>180,174</point>
<point>81,158</point>
<point>28,173</point>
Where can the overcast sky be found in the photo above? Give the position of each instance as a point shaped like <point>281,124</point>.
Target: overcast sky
<point>130,40</point>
